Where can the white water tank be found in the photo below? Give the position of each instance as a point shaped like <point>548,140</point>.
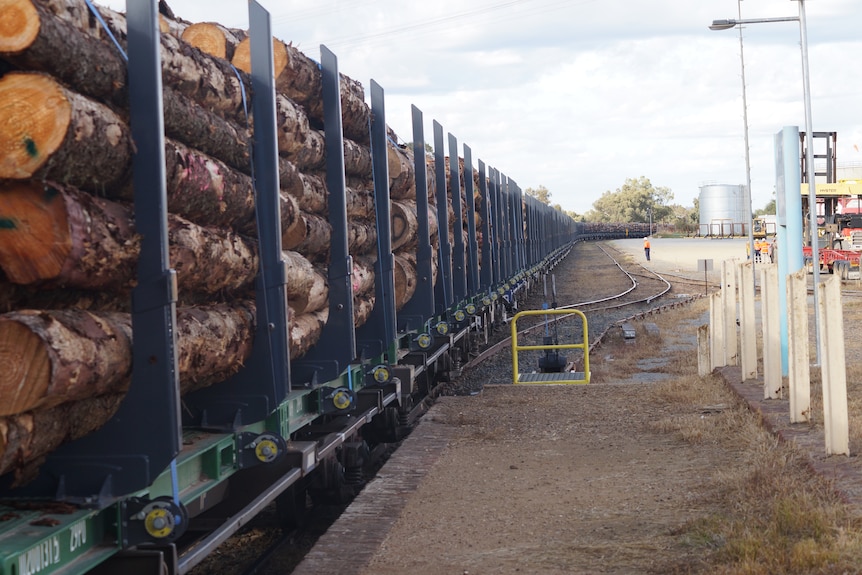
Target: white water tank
<point>723,210</point>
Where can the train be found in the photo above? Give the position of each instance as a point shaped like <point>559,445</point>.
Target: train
<point>171,475</point>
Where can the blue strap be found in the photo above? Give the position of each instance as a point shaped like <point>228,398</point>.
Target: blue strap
<point>107,30</point>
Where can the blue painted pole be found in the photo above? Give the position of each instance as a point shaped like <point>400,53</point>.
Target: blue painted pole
<point>789,229</point>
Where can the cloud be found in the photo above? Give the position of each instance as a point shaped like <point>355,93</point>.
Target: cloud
<point>578,95</point>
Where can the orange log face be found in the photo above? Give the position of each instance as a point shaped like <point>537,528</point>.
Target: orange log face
<point>36,115</point>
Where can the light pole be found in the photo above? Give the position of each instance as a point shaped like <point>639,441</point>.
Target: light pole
<point>809,161</point>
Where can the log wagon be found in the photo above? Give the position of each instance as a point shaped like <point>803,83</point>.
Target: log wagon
<point>223,281</point>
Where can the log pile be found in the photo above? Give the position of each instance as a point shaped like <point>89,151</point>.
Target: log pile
<point>68,244</point>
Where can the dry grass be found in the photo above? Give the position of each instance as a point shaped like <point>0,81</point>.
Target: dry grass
<point>771,514</point>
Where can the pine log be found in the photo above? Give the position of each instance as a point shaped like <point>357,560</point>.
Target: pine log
<point>362,308</point>
<point>307,288</point>
<point>212,38</point>
<point>402,176</point>
<point>360,200</point>
<point>72,49</point>
<point>26,438</point>
<point>405,279</point>
<point>64,355</point>
<point>362,275</point>
<point>403,223</point>
<point>14,297</point>
<point>313,239</point>
<point>94,247</point>
<point>41,121</point>
<point>96,69</point>
<point>357,160</point>
<point>55,357</point>
<point>305,330</point>
<point>299,78</point>
<point>361,237</point>
<point>50,232</point>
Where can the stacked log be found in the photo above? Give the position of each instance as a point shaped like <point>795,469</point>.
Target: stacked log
<point>68,245</point>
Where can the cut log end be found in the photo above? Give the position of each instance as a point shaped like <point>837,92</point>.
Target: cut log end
<point>19,25</point>
<point>34,118</point>
<point>207,38</point>
<point>242,56</point>
<point>27,372</point>
<point>34,232</point>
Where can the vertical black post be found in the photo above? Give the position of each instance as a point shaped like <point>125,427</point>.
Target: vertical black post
<point>336,347</point>
<point>378,333</point>
<point>459,271</point>
<point>518,227</point>
<point>497,209</point>
<point>528,221</point>
<point>473,244</point>
<point>443,290</point>
<point>264,381</point>
<point>506,209</point>
<point>420,308</point>
<point>144,436</point>
<point>487,279</point>
<point>149,417</point>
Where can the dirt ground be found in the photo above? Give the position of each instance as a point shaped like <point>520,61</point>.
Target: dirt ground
<point>601,478</point>
<point>580,479</point>
<point>593,489</point>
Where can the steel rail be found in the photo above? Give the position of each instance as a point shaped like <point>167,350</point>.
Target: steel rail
<point>502,344</point>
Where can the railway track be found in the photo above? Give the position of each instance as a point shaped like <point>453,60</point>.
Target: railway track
<point>595,278</point>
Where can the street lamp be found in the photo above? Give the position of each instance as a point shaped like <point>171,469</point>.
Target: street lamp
<point>809,161</point>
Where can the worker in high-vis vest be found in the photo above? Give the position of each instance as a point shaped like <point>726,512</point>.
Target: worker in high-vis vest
<point>646,247</point>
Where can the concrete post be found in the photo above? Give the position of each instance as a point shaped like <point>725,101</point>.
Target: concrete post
<point>836,423</point>
<point>748,320</point>
<point>704,363</point>
<point>799,375</point>
<point>716,325</point>
<point>771,326</point>
<point>728,300</point>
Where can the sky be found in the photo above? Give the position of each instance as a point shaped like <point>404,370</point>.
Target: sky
<point>579,95</point>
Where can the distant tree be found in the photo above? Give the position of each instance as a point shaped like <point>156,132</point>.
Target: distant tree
<point>428,147</point>
<point>541,193</point>
<point>769,208</point>
<point>684,219</point>
<point>632,202</point>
